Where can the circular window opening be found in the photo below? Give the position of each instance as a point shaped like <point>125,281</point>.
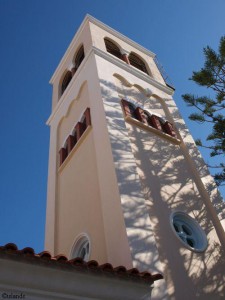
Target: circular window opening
<point>81,248</point>
<point>188,231</point>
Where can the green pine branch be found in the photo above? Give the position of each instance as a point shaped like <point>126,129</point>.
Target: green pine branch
<point>208,110</point>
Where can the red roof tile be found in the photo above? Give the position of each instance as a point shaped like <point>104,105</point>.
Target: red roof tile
<point>28,253</point>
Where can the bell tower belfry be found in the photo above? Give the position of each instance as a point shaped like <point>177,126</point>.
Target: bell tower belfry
<point>126,183</point>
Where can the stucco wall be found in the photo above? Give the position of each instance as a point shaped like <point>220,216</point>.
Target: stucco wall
<point>151,167</point>
<point>89,169</point>
<point>79,207</point>
<point>168,184</point>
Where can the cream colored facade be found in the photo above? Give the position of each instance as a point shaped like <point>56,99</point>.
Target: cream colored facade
<point>122,180</point>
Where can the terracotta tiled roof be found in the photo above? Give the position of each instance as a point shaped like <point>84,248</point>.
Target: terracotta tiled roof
<point>28,254</point>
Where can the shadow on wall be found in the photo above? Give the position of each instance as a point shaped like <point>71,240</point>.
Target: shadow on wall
<point>167,184</point>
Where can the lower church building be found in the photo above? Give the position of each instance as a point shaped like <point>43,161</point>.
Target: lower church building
<point>132,211</point>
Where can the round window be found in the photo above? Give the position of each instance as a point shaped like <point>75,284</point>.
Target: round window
<point>81,248</point>
<point>188,231</point>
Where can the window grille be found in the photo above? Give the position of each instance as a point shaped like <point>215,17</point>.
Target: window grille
<point>112,48</point>
<point>136,62</point>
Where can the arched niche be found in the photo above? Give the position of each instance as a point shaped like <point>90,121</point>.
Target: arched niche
<point>81,247</point>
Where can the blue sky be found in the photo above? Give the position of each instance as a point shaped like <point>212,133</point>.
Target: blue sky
<point>34,36</point>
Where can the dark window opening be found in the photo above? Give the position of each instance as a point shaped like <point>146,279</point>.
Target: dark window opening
<point>86,119</point>
<point>191,243</point>
<point>133,111</point>
<point>79,57</point>
<point>63,153</point>
<point>66,80</point>
<point>75,137</point>
<point>84,122</point>
<point>136,62</point>
<point>112,48</point>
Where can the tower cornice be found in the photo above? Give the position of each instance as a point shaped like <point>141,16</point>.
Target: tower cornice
<point>90,19</point>
<point>134,71</point>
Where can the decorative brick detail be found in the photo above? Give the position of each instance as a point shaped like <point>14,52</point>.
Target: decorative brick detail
<point>63,152</point>
<point>79,129</point>
<point>73,138</point>
<point>126,108</point>
<point>139,112</point>
<point>70,142</point>
<point>155,122</point>
<point>87,118</point>
<point>169,129</point>
<point>147,119</point>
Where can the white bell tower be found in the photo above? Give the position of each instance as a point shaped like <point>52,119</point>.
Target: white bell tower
<point>126,182</point>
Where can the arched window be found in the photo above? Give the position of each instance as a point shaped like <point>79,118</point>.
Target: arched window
<point>79,57</point>
<point>132,110</point>
<point>63,153</point>
<point>147,118</point>
<point>137,62</point>
<point>129,109</point>
<point>162,123</point>
<point>81,248</point>
<point>169,129</point>
<point>112,48</point>
<point>66,80</point>
<point>155,121</point>
<point>188,231</point>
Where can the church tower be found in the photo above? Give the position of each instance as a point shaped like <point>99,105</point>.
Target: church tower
<point>126,183</point>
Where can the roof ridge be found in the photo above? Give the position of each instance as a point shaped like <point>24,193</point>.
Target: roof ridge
<point>11,249</point>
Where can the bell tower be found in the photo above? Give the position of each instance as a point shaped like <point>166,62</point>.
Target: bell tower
<point>126,183</point>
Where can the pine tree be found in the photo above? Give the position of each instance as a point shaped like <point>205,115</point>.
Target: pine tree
<point>209,110</point>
